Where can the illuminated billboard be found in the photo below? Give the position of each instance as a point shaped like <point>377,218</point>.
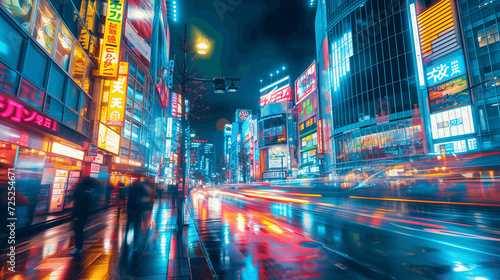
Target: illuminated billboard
<point>446,70</point>
<point>307,126</point>
<point>276,95</point>
<point>449,94</point>
<point>139,28</point>
<point>342,50</point>
<point>438,33</point>
<point>272,130</point>
<point>114,97</point>
<point>277,157</point>
<point>108,139</point>
<point>308,106</point>
<point>306,83</point>
<point>110,49</point>
<point>454,122</point>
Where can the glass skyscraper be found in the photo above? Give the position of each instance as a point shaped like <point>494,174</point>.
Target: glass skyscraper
<point>481,25</point>
<point>369,94</point>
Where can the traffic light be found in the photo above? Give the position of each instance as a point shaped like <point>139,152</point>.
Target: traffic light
<point>219,85</point>
<point>232,88</point>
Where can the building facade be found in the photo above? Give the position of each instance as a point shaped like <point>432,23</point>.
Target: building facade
<point>66,110</point>
<point>368,85</point>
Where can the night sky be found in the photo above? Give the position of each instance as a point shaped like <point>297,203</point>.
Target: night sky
<point>250,40</point>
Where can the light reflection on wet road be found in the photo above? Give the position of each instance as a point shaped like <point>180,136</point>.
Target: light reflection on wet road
<point>336,238</point>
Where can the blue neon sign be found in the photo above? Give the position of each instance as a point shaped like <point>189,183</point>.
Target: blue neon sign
<point>446,70</point>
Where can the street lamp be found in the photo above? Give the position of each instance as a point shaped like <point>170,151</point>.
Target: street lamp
<point>202,48</point>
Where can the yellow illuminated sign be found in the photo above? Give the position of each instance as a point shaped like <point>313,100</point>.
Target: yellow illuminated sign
<point>438,34</point>
<point>113,102</point>
<point>110,49</point>
<point>108,139</point>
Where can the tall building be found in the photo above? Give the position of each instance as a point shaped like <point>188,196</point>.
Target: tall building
<point>201,160</point>
<point>309,123</point>
<point>481,27</point>
<point>71,106</point>
<point>368,84</point>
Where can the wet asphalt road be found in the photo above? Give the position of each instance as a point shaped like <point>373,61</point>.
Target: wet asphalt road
<point>263,237</point>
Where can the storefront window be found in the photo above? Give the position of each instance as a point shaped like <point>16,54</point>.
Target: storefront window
<point>88,84</point>
<point>45,26</point>
<point>11,43</point>
<point>139,94</point>
<point>137,112</point>
<point>70,118</point>
<point>135,132</point>
<point>128,110</point>
<point>72,96</point>
<point>83,126</point>
<point>8,80</point>
<point>31,94</point>
<point>84,105</point>
<point>36,66</point>
<point>78,65</point>
<point>130,91</point>
<point>56,83</point>
<point>54,108</point>
<point>126,129</point>
<point>20,10</point>
<point>83,35</point>
<point>140,77</point>
<point>64,46</point>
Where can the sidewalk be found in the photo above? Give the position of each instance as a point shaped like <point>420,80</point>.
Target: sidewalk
<point>108,254</point>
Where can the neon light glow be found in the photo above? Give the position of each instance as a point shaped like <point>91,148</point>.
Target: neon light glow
<point>342,50</point>
<point>416,41</point>
<point>17,112</point>
<point>275,83</point>
<point>438,34</point>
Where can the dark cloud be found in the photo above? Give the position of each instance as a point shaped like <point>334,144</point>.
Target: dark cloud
<point>251,39</point>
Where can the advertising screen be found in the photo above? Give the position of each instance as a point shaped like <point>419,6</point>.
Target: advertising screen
<point>306,83</point>
<point>276,95</point>
<point>454,122</point>
<point>308,106</point>
<point>449,95</point>
<point>272,130</point>
<point>307,126</point>
<point>277,158</point>
<point>438,34</point>
<point>139,28</point>
<point>446,70</point>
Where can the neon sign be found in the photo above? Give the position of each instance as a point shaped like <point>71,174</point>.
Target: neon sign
<point>276,95</point>
<point>416,41</point>
<point>110,54</point>
<point>444,71</point>
<point>113,101</point>
<point>306,83</point>
<point>17,112</point>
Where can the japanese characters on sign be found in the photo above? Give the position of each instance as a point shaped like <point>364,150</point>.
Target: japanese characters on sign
<point>446,70</point>
<point>306,83</point>
<point>320,138</point>
<point>108,139</point>
<point>450,94</point>
<point>308,106</point>
<point>276,95</point>
<point>110,53</point>
<point>115,96</point>
<point>17,112</point>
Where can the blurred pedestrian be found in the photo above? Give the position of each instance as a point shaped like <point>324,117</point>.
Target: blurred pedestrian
<point>138,201</point>
<point>122,195</point>
<point>109,189</point>
<point>83,196</point>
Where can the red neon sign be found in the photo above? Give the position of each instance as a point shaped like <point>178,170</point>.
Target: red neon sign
<point>17,112</point>
<point>276,95</point>
<point>320,138</point>
<point>306,83</point>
